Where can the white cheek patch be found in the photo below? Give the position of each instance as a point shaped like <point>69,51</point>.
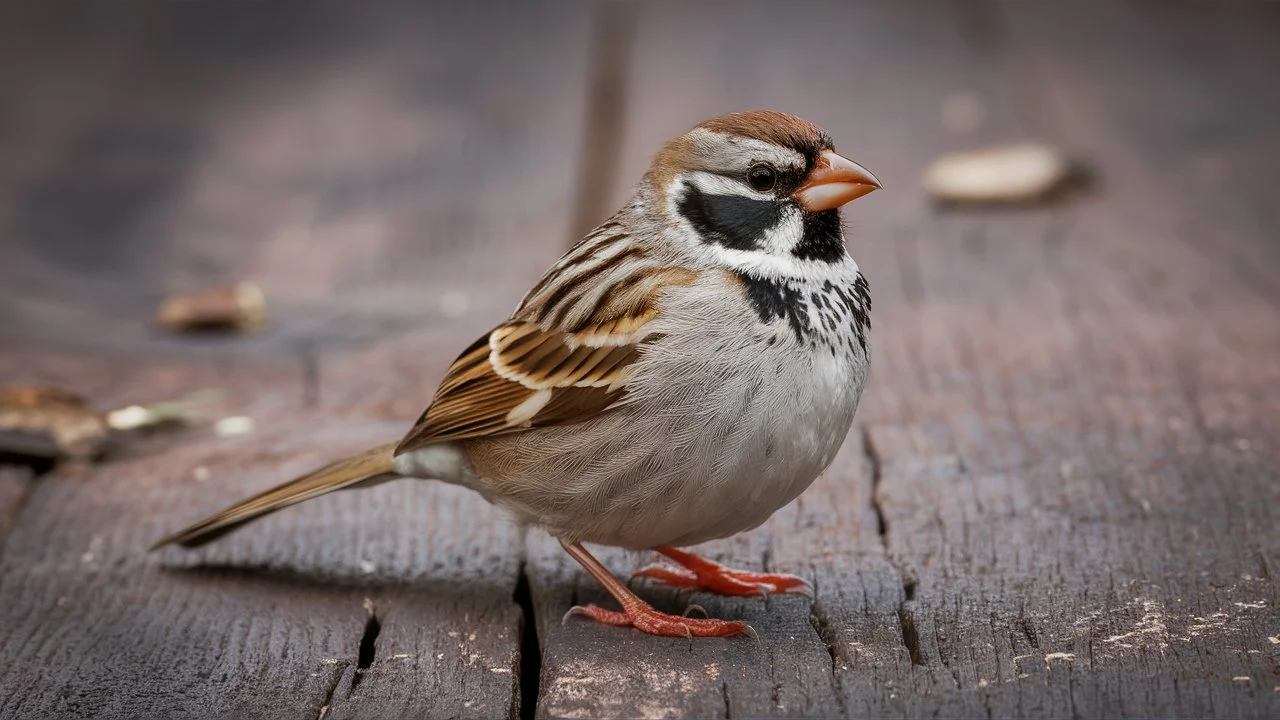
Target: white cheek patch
<point>783,237</point>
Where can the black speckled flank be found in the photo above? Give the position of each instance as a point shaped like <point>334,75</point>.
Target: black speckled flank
<point>773,299</point>
<point>843,311</point>
<point>854,302</point>
<point>730,220</point>
<point>822,238</point>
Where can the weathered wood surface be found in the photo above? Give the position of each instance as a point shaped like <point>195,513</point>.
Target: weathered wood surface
<point>337,158</point>
<point>1060,498</point>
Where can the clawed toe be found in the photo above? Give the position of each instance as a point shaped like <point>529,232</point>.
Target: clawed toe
<point>656,623</point>
<point>640,615</point>
<point>696,607</point>
<point>776,583</point>
<point>653,622</point>
<point>599,614</point>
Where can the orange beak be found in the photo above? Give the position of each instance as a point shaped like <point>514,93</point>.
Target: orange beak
<point>834,181</point>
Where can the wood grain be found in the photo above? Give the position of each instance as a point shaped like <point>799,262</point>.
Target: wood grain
<point>1059,498</point>
<point>341,160</point>
<point>1037,515</point>
<point>15,488</point>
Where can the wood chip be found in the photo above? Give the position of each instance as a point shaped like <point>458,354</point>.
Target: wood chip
<point>1020,173</point>
<point>46,421</point>
<point>182,411</point>
<point>237,308</point>
<point>234,425</point>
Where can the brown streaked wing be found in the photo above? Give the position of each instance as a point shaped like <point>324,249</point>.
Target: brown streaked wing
<point>524,375</point>
<point>521,376</point>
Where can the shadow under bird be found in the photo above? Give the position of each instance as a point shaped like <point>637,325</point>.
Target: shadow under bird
<point>680,374</point>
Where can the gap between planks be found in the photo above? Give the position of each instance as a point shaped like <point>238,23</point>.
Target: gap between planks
<point>612,29</point>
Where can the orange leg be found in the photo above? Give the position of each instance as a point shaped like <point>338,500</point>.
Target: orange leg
<point>639,614</point>
<point>702,574</point>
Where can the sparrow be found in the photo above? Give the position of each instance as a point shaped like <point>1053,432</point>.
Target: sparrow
<point>685,370</point>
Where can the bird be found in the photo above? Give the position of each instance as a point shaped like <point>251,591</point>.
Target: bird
<point>686,369</point>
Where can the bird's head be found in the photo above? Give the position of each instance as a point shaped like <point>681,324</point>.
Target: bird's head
<point>759,183</point>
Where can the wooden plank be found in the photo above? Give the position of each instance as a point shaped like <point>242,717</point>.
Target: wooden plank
<point>1118,396</point>
<point>341,160</point>
<point>324,128</point>
<point>1065,441</point>
<point>1075,503</point>
<point>1042,510</point>
<point>15,487</point>
<point>1160,111</point>
<point>92,625</point>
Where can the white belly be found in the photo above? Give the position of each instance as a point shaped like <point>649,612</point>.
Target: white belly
<point>787,441</point>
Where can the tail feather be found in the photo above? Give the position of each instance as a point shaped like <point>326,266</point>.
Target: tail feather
<point>344,473</point>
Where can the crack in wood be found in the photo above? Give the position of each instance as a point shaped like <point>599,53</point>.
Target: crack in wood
<point>910,635</point>
<point>775,689</point>
<point>1264,565</point>
<point>18,487</point>
<point>339,670</point>
<point>827,634</point>
<point>873,460</point>
<point>530,648</point>
<point>909,583</point>
<point>369,643</point>
<point>766,561</point>
<point>1029,632</point>
<point>368,646</point>
<point>37,464</point>
<point>906,615</point>
<point>309,365</point>
<point>606,108</point>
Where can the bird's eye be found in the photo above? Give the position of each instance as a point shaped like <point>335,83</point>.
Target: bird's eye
<point>762,177</point>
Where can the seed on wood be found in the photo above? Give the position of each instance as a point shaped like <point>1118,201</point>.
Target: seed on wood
<point>47,421</point>
<point>181,411</point>
<point>236,308</point>
<point>234,425</point>
<point>1019,173</point>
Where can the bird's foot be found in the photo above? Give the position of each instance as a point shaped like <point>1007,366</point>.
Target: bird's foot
<point>702,574</point>
<point>639,614</point>
<point>644,618</point>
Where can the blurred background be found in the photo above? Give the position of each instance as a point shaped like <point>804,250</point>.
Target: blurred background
<point>1072,412</point>
<point>401,165</point>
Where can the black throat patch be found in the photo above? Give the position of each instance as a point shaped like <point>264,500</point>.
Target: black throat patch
<point>822,238</point>
<point>730,220</point>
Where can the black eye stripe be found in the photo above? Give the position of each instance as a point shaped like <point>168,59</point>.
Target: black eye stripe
<point>730,220</point>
